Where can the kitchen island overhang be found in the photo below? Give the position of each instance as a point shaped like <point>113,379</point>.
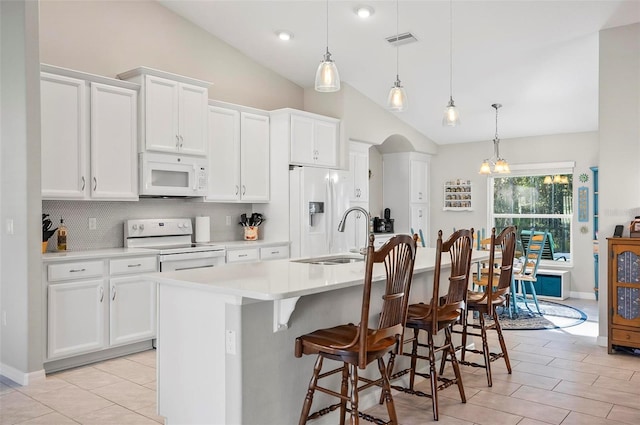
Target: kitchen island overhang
<point>219,360</point>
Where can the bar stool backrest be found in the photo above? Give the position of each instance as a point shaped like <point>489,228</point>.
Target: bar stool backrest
<point>507,242</point>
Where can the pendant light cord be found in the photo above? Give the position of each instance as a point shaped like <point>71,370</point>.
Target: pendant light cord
<point>496,137</point>
<point>397,46</point>
<point>451,49</point>
<point>327,26</point>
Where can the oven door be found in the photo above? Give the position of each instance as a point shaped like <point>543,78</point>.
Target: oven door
<point>172,175</point>
<point>191,260</point>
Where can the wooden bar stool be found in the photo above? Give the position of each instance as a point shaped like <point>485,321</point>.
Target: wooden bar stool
<point>356,346</point>
<point>440,313</point>
<point>485,303</point>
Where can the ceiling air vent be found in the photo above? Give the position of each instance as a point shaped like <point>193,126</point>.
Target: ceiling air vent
<point>399,40</point>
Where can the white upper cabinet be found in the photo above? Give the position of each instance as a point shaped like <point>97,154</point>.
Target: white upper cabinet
<point>238,155</point>
<point>254,157</point>
<point>359,168</point>
<point>113,141</point>
<point>313,140</point>
<point>89,124</point>
<point>418,182</point>
<point>173,112</point>
<point>64,121</point>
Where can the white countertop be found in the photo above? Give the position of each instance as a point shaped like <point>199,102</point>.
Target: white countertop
<point>280,279</point>
<point>96,254</point>
<point>125,252</point>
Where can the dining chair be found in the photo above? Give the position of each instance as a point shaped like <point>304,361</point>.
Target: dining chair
<point>529,270</point>
<point>356,346</point>
<point>440,313</point>
<point>486,302</point>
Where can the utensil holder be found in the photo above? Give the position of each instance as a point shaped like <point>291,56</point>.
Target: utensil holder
<point>251,233</point>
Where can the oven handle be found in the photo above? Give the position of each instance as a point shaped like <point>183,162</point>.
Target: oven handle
<point>194,267</point>
<point>191,255</point>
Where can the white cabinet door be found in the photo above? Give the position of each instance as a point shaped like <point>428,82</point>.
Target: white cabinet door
<point>132,310</point>
<point>76,313</point>
<point>64,132</point>
<point>359,167</point>
<point>161,114</point>
<point>302,140</point>
<point>418,181</point>
<point>224,154</point>
<point>254,157</point>
<point>114,167</point>
<point>192,119</point>
<point>326,143</point>
<point>419,218</point>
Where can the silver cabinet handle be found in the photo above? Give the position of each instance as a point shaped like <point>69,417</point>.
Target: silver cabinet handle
<point>242,255</point>
<point>95,184</point>
<point>134,265</point>
<point>244,189</point>
<point>82,183</point>
<point>101,294</point>
<point>181,141</point>
<point>113,293</point>
<point>177,141</point>
<point>275,252</point>
<point>237,189</point>
<point>77,270</point>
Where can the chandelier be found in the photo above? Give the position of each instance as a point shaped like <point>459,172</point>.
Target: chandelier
<point>500,165</point>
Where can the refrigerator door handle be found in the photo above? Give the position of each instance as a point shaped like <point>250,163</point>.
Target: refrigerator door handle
<point>329,216</point>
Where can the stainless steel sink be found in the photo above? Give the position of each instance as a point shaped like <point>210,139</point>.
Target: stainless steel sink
<point>331,261</point>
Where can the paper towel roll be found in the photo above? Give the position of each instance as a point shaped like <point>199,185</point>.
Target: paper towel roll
<point>202,229</point>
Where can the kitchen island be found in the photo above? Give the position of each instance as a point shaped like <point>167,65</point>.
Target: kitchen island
<point>226,335</point>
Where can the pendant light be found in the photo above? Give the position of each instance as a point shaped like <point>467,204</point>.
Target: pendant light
<point>500,165</point>
<point>451,115</point>
<point>327,77</point>
<point>397,100</point>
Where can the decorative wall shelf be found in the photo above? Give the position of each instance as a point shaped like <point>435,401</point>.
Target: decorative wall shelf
<point>457,195</point>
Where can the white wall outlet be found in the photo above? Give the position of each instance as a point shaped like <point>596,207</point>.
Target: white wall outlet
<point>228,220</point>
<point>4,318</point>
<point>92,223</point>
<point>230,341</point>
<point>9,226</point>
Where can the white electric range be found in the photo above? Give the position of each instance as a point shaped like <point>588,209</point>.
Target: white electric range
<point>172,238</point>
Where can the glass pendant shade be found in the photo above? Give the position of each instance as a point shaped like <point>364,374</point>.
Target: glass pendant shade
<point>451,116</point>
<point>501,167</point>
<point>397,100</point>
<point>485,168</point>
<point>327,77</point>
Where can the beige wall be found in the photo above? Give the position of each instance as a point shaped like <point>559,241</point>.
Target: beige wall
<point>619,139</point>
<point>579,147</point>
<point>109,37</point>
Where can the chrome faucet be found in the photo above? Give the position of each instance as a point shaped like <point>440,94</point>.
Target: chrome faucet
<point>343,222</point>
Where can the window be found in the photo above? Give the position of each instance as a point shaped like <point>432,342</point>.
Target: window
<point>538,202</point>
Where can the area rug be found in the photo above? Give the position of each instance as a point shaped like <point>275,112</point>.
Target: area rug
<point>553,316</point>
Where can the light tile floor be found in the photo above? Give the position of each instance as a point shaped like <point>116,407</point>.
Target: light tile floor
<point>559,377</point>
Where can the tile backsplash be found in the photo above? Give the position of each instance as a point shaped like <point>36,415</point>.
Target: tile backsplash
<point>110,217</point>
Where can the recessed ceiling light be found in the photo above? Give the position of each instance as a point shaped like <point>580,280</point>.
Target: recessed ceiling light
<point>284,35</point>
<point>364,11</point>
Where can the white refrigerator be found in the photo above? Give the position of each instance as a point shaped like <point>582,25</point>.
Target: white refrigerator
<point>318,198</point>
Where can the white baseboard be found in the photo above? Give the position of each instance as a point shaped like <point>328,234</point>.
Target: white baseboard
<point>19,377</point>
<point>582,295</point>
<point>602,341</point>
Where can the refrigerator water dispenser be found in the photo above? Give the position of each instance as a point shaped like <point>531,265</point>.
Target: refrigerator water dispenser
<point>315,208</point>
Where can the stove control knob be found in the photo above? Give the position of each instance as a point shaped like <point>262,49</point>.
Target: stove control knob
<point>134,227</point>
<point>141,227</point>
<point>179,225</point>
<point>185,225</point>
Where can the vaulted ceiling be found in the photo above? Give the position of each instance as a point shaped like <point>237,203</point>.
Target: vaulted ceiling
<point>539,59</point>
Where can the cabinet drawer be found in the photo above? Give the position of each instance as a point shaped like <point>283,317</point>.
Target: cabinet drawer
<point>77,270</point>
<point>235,256</point>
<point>133,265</point>
<point>621,336</point>
<point>274,252</point>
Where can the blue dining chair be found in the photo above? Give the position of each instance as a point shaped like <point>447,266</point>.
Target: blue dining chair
<point>526,276</point>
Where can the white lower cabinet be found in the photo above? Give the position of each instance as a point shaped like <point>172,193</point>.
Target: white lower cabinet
<point>76,312</point>
<point>257,253</point>
<point>132,310</point>
<point>113,308</point>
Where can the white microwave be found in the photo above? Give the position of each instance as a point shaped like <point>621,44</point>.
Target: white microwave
<point>172,175</point>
